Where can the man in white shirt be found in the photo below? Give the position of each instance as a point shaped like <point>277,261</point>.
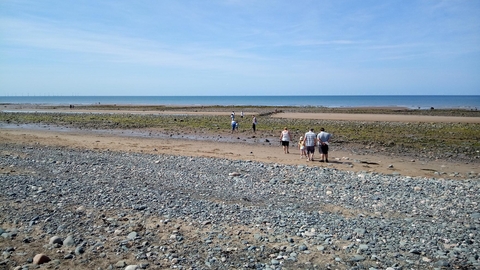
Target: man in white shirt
<point>309,140</point>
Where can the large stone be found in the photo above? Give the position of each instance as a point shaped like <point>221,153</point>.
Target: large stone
<point>69,242</point>
<point>79,250</point>
<point>132,235</point>
<point>56,240</point>
<point>40,259</point>
<point>121,264</point>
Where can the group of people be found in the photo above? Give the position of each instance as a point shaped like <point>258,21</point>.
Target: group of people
<point>307,143</point>
<point>235,125</point>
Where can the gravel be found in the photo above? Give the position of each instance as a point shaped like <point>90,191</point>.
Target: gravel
<point>106,210</point>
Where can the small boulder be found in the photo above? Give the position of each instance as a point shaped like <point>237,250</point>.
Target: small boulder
<point>40,259</point>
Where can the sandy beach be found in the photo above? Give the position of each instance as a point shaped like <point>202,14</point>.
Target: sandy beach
<point>208,145</point>
<point>89,195</point>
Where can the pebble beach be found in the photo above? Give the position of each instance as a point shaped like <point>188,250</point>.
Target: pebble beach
<point>86,194</point>
<point>82,209</point>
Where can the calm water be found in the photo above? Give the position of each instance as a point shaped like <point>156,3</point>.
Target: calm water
<point>423,102</point>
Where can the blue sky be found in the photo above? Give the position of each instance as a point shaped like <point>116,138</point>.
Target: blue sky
<point>239,47</point>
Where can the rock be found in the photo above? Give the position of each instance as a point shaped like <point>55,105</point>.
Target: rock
<point>475,215</point>
<point>132,235</point>
<point>357,258</point>
<point>132,267</point>
<point>302,248</point>
<point>121,264</point>
<point>68,257</point>
<point>56,240</point>
<point>415,251</point>
<point>7,235</point>
<point>69,242</point>
<point>274,262</point>
<point>40,259</point>
<point>79,250</point>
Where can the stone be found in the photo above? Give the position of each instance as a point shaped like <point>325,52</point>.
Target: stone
<point>79,250</point>
<point>475,215</point>
<point>40,259</point>
<point>302,248</point>
<point>275,262</point>
<point>357,258</point>
<point>121,264</point>
<point>68,242</point>
<point>132,235</point>
<point>56,240</point>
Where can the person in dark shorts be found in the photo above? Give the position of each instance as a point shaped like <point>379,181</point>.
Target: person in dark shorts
<point>285,139</point>
<point>323,139</point>
<point>310,139</point>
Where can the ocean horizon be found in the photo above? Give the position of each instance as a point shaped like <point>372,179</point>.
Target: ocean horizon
<point>407,101</point>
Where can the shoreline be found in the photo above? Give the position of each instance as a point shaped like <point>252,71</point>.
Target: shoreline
<point>236,147</point>
<point>112,106</point>
<point>386,114</point>
<point>424,102</point>
<point>219,142</point>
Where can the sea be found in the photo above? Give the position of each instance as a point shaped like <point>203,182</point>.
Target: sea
<point>469,102</point>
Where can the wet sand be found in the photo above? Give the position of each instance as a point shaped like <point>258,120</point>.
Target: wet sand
<point>289,115</point>
<point>146,141</point>
<point>243,145</point>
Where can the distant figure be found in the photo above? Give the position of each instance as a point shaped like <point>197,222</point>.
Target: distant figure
<point>241,114</point>
<point>254,124</point>
<point>301,146</point>
<point>323,139</point>
<point>309,139</point>
<point>232,115</point>
<point>237,125</point>
<point>285,139</point>
<point>234,124</point>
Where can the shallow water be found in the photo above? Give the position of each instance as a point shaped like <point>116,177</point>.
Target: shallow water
<point>145,133</point>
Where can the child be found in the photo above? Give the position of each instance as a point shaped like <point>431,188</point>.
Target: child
<point>301,145</point>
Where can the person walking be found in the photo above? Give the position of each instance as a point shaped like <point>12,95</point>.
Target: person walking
<point>309,140</point>
<point>254,124</point>
<point>323,139</point>
<point>234,125</point>
<point>301,146</point>
<point>285,139</point>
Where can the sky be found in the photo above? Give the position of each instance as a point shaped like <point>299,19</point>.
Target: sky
<point>239,47</point>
